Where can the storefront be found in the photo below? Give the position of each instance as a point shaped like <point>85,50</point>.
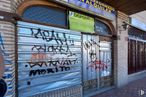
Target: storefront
<point>54,59</point>
<point>64,48</point>
<point>136,47</point>
<point>136,50</point>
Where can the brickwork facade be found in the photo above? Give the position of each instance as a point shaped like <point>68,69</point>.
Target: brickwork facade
<point>122,50</point>
<point>8,39</point>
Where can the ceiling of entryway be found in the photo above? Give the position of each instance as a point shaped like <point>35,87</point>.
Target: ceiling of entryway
<point>127,6</point>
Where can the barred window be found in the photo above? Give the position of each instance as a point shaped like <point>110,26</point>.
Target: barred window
<point>102,28</point>
<point>136,51</point>
<point>46,14</point>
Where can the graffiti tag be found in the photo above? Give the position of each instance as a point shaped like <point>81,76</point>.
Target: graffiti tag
<point>98,65</point>
<point>89,44</point>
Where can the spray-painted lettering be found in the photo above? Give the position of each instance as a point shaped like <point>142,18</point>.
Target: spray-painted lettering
<point>53,49</point>
<point>89,44</point>
<point>54,63</point>
<point>98,65</point>
<point>48,70</point>
<point>49,36</point>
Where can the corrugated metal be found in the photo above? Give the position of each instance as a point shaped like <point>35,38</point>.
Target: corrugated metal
<point>106,76</point>
<point>75,91</point>
<point>49,59</point>
<point>90,55</point>
<point>7,52</point>
<point>97,66</point>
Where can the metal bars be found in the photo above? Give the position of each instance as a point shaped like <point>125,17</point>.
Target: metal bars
<point>49,59</point>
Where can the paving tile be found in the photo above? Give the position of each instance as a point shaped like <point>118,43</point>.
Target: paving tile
<point>130,90</point>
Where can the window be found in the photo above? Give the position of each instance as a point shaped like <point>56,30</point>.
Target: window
<point>101,28</point>
<point>136,51</point>
<point>46,15</point>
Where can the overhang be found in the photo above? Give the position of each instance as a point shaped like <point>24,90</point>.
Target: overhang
<point>129,7</point>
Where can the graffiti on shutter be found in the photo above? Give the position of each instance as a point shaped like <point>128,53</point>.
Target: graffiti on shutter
<point>7,85</point>
<point>49,58</point>
<point>96,61</point>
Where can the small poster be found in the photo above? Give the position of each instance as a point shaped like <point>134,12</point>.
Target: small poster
<point>80,22</point>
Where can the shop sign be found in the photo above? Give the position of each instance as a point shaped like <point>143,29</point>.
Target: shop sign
<point>81,22</point>
<point>135,22</point>
<point>93,6</point>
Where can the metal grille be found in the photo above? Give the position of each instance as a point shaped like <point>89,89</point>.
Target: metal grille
<point>46,15</point>
<point>97,66</point>
<point>49,59</point>
<point>102,28</point>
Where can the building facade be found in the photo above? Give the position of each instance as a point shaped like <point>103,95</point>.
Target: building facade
<point>62,48</point>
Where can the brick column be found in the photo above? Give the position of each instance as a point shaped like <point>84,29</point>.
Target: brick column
<point>122,50</point>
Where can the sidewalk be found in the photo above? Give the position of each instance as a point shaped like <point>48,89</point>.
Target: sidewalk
<point>130,90</point>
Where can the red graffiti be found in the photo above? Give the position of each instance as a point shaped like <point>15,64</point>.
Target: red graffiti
<point>98,65</point>
<point>38,56</point>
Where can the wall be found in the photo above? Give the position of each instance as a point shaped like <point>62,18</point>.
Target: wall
<point>8,49</point>
<point>122,50</point>
<point>140,16</point>
<point>7,30</point>
<point>7,45</point>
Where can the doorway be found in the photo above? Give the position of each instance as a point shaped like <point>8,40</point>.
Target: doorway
<point>97,62</point>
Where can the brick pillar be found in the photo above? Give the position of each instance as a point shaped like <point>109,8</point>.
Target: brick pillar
<point>122,50</point>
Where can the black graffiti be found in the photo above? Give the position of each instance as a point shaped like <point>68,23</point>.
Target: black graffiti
<point>54,49</point>
<point>52,35</point>
<point>54,63</point>
<point>92,55</point>
<point>63,42</point>
<point>48,70</point>
<point>39,48</point>
<point>89,44</point>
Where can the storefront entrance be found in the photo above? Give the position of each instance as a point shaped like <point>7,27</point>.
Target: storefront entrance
<point>97,62</point>
<point>55,57</point>
<point>51,59</point>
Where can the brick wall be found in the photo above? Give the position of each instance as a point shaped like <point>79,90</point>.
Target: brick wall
<point>5,5</point>
<point>122,50</point>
